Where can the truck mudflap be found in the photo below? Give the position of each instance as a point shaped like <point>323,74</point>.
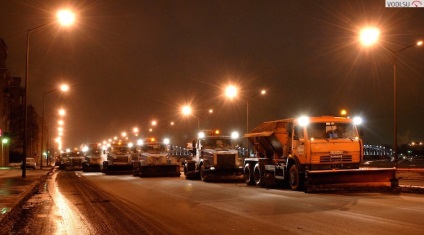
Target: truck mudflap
<point>160,171</point>
<point>351,179</point>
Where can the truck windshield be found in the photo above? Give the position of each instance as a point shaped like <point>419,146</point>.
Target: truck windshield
<point>92,152</point>
<point>216,143</point>
<point>332,130</point>
<point>75,154</point>
<point>121,150</point>
<point>153,148</point>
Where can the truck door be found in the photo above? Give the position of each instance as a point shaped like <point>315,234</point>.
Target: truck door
<point>299,142</point>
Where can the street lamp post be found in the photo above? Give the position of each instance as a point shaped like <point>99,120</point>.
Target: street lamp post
<point>62,88</point>
<point>66,18</point>
<point>263,92</point>
<point>24,102</point>
<point>368,37</point>
<point>231,92</point>
<point>395,59</point>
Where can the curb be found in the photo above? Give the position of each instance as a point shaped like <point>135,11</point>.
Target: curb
<point>411,189</point>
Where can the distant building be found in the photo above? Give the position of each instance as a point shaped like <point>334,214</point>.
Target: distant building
<point>4,106</point>
<point>11,116</point>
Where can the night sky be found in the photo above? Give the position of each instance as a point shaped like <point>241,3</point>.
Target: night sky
<point>131,61</point>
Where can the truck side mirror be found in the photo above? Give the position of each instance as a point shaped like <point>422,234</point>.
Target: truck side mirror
<point>361,131</point>
<point>289,129</point>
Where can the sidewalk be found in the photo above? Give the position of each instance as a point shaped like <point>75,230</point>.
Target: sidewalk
<point>14,190</point>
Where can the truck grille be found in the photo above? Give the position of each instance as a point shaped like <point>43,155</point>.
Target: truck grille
<point>76,161</point>
<point>226,160</point>
<point>95,160</point>
<point>123,159</point>
<point>337,159</point>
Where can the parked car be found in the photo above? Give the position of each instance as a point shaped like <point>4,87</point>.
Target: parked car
<point>30,163</point>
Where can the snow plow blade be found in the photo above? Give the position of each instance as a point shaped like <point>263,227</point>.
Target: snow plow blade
<point>117,170</point>
<point>160,171</point>
<point>351,180</point>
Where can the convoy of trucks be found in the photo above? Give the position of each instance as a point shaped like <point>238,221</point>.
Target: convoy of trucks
<point>312,154</point>
<point>153,159</point>
<point>309,153</point>
<point>213,156</point>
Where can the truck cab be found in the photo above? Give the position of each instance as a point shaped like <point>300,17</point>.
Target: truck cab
<point>212,156</point>
<point>74,160</point>
<point>153,159</point>
<point>93,158</point>
<point>118,159</point>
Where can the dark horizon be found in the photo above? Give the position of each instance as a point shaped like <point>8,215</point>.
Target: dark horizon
<point>129,63</point>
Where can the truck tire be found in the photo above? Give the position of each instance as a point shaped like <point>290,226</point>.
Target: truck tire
<point>203,175</point>
<point>248,175</point>
<point>295,179</point>
<point>189,175</point>
<point>135,172</point>
<point>258,176</point>
<point>105,170</point>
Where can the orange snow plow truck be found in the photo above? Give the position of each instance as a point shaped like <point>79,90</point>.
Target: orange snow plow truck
<point>316,153</point>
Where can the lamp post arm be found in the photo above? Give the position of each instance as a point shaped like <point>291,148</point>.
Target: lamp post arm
<point>35,28</point>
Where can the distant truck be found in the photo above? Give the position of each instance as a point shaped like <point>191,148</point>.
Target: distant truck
<point>153,160</point>
<point>213,156</point>
<point>73,160</point>
<point>93,158</point>
<point>118,159</point>
<point>312,154</point>
<point>63,159</point>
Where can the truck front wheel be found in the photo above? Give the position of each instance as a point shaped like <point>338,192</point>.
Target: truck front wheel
<point>295,180</point>
<point>202,173</point>
<point>258,176</point>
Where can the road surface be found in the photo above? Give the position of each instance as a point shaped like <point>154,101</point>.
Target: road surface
<point>93,203</point>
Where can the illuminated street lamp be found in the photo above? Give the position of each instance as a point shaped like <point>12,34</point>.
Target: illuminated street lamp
<point>186,110</point>
<point>135,129</point>
<point>62,112</point>
<point>65,17</point>
<point>5,140</point>
<point>63,88</point>
<point>231,91</point>
<point>368,37</point>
